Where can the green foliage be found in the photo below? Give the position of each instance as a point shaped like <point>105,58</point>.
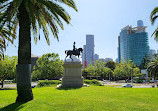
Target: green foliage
<point>5,35</point>
<point>43,83</point>
<point>153,17</point>
<point>90,69</point>
<point>49,66</point>
<point>8,68</point>
<point>139,81</point>
<point>144,63</point>
<point>98,69</point>
<point>136,72</point>
<point>41,13</point>
<point>124,70</point>
<point>35,16</point>
<point>152,68</point>
<point>93,82</point>
<point>111,65</point>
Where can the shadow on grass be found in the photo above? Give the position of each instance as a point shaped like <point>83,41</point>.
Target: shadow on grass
<point>68,88</point>
<point>12,107</point>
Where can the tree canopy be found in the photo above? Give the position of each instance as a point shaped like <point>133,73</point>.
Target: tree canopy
<point>8,68</point>
<point>49,66</point>
<point>98,69</point>
<point>152,68</point>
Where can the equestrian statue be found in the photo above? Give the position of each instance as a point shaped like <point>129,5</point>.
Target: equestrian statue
<point>75,52</point>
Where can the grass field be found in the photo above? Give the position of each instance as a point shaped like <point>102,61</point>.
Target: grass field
<point>93,98</point>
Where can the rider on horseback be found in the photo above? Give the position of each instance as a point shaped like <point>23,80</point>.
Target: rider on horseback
<point>74,48</point>
<point>75,52</point>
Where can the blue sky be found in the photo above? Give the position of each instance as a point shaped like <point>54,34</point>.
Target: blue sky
<point>104,19</point>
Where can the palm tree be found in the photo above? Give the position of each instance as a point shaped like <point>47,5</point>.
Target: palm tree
<point>32,15</point>
<point>5,34</point>
<point>153,17</point>
<point>152,68</point>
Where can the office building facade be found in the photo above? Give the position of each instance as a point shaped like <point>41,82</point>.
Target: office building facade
<point>133,44</point>
<point>89,49</point>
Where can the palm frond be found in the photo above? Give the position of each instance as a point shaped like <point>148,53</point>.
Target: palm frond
<point>70,3</point>
<point>56,9</point>
<point>43,25</point>
<point>31,8</point>
<point>50,21</point>
<point>153,15</point>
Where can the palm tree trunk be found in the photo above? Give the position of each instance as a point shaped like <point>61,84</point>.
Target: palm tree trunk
<point>24,57</point>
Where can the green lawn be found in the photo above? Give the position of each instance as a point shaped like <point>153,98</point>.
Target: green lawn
<point>93,98</point>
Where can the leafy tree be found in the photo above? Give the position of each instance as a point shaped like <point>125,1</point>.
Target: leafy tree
<point>124,70</point>
<point>111,65</point>
<point>7,68</point>
<point>90,69</point>
<point>119,71</point>
<point>107,72</point>
<point>136,72</point>
<point>131,64</point>
<point>31,15</point>
<point>49,66</point>
<point>152,68</point>
<point>98,69</point>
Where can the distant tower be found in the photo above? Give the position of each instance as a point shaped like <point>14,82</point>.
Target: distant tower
<point>96,57</point>
<point>140,23</point>
<point>89,48</point>
<point>119,58</point>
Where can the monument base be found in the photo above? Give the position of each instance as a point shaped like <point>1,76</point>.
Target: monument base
<point>60,86</point>
<point>72,75</point>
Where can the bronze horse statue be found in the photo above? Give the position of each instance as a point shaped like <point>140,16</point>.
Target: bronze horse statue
<point>75,52</point>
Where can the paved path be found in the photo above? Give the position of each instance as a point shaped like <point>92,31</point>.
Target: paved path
<point>14,85</point>
<point>135,85</point>
<point>112,84</point>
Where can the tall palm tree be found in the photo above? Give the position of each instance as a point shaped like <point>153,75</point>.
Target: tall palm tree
<point>153,17</point>
<point>32,15</point>
<point>152,68</point>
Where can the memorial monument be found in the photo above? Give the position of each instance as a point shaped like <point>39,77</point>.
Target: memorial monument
<point>72,70</point>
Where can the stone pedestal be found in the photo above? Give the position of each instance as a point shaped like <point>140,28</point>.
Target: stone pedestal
<point>72,75</point>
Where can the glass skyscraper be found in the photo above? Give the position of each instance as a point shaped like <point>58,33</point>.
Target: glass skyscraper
<point>89,49</point>
<point>133,44</point>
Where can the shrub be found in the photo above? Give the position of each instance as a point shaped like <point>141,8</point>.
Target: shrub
<point>93,82</point>
<point>139,81</point>
<point>43,83</point>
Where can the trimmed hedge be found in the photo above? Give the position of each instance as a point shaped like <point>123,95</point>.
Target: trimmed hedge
<point>93,82</point>
<point>42,83</point>
<point>139,81</point>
